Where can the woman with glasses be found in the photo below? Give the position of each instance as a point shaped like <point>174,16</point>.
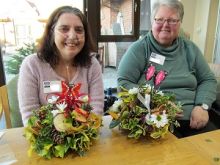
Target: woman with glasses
<point>64,54</point>
<point>187,74</point>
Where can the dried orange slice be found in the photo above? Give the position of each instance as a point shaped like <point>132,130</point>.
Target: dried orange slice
<point>82,112</point>
<point>79,117</point>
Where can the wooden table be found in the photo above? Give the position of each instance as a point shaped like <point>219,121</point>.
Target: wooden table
<point>207,145</point>
<point>114,148</point>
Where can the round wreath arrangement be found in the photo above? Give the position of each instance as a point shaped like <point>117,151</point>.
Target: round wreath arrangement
<point>145,111</point>
<point>66,124</point>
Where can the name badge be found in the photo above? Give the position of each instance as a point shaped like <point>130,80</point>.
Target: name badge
<point>52,86</point>
<point>157,58</point>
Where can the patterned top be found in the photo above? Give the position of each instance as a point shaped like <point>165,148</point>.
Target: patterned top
<point>34,72</point>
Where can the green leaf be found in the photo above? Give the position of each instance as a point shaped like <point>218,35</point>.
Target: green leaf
<point>138,133</point>
<point>86,138</point>
<point>47,146</point>
<point>114,123</point>
<point>164,130</point>
<point>131,135</point>
<point>29,135</point>
<point>59,151</point>
<point>124,115</point>
<point>156,135</point>
<point>14,63</point>
<point>45,152</point>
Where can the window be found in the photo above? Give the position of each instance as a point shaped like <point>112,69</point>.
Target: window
<point>145,14</point>
<point>25,23</point>
<point>119,20</point>
<point>22,24</point>
<point>116,17</point>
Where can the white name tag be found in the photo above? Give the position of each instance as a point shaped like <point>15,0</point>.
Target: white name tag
<point>52,86</point>
<point>157,58</point>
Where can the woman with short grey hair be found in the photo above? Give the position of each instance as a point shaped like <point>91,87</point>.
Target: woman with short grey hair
<point>169,3</point>
<point>188,77</point>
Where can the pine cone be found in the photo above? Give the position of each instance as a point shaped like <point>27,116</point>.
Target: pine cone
<point>41,115</point>
<point>57,137</point>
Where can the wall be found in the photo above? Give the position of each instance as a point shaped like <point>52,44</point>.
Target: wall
<point>200,21</point>
<point>211,35</point>
<point>189,16</point>
<point>216,57</point>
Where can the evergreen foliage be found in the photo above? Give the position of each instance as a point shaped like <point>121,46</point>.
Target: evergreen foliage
<point>14,62</point>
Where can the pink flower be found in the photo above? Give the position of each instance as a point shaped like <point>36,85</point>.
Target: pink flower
<point>159,77</point>
<point>150,72</point>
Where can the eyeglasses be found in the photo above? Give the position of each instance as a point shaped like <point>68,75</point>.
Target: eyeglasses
<point>65,30</point>
<point>169,21</point>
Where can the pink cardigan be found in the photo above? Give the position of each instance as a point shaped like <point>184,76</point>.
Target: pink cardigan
<point>30,84</point>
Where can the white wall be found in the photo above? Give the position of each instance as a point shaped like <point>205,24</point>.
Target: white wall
<point>189,16</point>
<point>200,17</point>
<point>201,23</point>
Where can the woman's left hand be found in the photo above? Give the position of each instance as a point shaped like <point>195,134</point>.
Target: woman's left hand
<point>199,118</point>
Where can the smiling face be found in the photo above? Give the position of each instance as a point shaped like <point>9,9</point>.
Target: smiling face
<point>69,36</point>
<point>166,33</point>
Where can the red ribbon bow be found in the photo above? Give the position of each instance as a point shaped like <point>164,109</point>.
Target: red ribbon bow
<point>71,96</point>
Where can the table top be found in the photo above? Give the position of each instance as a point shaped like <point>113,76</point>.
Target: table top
<point>113,147</point>
<point>206,145</point>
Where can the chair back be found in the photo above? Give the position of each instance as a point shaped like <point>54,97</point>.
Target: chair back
<point>4,106</point>
<point>215,69</point>
<point>9,109</point>
<point>15,114</point>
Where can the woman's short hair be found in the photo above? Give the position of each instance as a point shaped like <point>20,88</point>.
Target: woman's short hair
<point>174,4</point>
<point>47,50</point>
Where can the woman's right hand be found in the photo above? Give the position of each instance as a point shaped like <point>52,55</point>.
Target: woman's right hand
<point>179,115</point>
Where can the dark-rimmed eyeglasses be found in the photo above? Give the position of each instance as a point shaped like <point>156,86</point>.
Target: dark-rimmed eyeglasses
<point>169,21</point>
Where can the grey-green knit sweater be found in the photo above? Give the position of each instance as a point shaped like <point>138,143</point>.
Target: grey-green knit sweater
<point>189,76</point>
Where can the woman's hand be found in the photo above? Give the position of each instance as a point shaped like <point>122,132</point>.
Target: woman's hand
<point>199,118</point>
<point>179,115</point>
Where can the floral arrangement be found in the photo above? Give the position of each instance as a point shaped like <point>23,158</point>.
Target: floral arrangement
<point>145,110</point>
<point>66,124</point>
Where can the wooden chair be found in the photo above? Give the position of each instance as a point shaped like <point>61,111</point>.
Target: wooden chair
<point>15,114</point>
<point>9,109</point>
<point>215,69</point>
<point>4,106</point>
<point>214,113</point>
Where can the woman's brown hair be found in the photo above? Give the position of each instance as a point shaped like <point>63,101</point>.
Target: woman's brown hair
<point>47,50</point>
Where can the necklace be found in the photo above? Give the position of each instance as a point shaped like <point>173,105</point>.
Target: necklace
<point>67,72</point>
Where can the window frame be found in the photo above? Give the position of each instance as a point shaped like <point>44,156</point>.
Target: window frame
<point>92,11</point>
